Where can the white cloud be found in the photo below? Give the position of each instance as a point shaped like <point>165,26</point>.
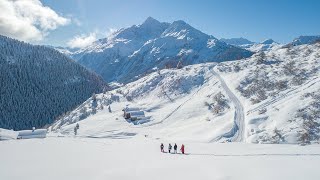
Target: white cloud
<point>28,20</point>
<point>81,41</point>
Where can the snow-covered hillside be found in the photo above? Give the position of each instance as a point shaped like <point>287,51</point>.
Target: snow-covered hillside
<point>268,98</point>
<point>279,90</point>
<point>182,104</point>
<point>130,53</point>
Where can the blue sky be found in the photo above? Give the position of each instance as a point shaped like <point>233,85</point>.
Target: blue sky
<point>281,20</point>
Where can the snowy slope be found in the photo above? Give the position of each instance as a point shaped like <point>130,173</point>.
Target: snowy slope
<point>257,102</point>
<point>132,52</point>
<point>140,159</point>
<point>279,90</point>
<point>181,104</point>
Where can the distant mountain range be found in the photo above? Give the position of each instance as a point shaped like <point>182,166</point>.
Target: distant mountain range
<point>252,46</point>
<point>38,83</point>
<point>237,41</point>
<point>305,40</point>
<point>130,53</point>
<point>269,43</point>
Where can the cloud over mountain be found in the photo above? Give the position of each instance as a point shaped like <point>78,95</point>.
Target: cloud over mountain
<point>28,20</point>
<point>81,41</point>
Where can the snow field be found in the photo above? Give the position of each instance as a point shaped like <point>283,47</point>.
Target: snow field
<point>140,159</point>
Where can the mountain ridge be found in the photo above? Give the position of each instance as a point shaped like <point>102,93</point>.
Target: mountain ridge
<point>130,53</point>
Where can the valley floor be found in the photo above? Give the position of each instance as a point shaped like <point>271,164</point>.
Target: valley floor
<point>59,158</point>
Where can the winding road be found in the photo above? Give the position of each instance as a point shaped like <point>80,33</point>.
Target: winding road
<point>237,132</point>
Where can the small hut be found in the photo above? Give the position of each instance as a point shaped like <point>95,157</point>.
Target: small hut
<point>133,113</point>
<point>30,134</point>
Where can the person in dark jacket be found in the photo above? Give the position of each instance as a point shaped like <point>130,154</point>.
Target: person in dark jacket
<point>175,147</point>
<point>162,147</point>
<point>75,130</point>
<point>169,148</point>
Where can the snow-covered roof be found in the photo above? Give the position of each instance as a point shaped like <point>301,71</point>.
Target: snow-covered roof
<point>128,109</point>
<point>27,134</point>
<point>136,113</point>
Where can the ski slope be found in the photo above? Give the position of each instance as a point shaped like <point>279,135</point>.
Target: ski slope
<point>58,158</point>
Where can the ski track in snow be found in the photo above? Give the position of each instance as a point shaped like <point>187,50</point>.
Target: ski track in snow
<point>237,131</point>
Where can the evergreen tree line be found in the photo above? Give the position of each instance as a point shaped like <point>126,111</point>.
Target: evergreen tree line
<point>38,83</point>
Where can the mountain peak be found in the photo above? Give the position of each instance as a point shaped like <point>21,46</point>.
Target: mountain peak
<point>180,23</point>
<point>150,21</point>
<point>268,41</point>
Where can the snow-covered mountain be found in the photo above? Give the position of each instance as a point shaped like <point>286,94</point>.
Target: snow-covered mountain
<point>132,52</point>
<point>271,97</point>
<point>237,41</point>
<point>265,45</point>
<point>252,46</point>
<point>269,43</point>
<point>305,40</point>
<point>37,84</point>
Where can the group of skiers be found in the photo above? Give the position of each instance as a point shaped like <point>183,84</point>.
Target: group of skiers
<point>175,147</point>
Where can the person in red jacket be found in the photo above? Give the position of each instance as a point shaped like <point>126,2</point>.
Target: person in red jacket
<point>182,149</point>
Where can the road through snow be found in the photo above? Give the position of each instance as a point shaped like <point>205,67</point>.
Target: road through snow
<point>237,132</point>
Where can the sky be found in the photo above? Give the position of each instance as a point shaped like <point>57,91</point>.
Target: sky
<point>76,23</point>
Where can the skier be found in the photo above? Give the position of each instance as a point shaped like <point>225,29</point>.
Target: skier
<point>175,148</point>
<point>169,148</point>
<point>75,130</point>
<point>161,147</point>
<point>77,126</point>
<point>109,108</point>
<point>182,149</point>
